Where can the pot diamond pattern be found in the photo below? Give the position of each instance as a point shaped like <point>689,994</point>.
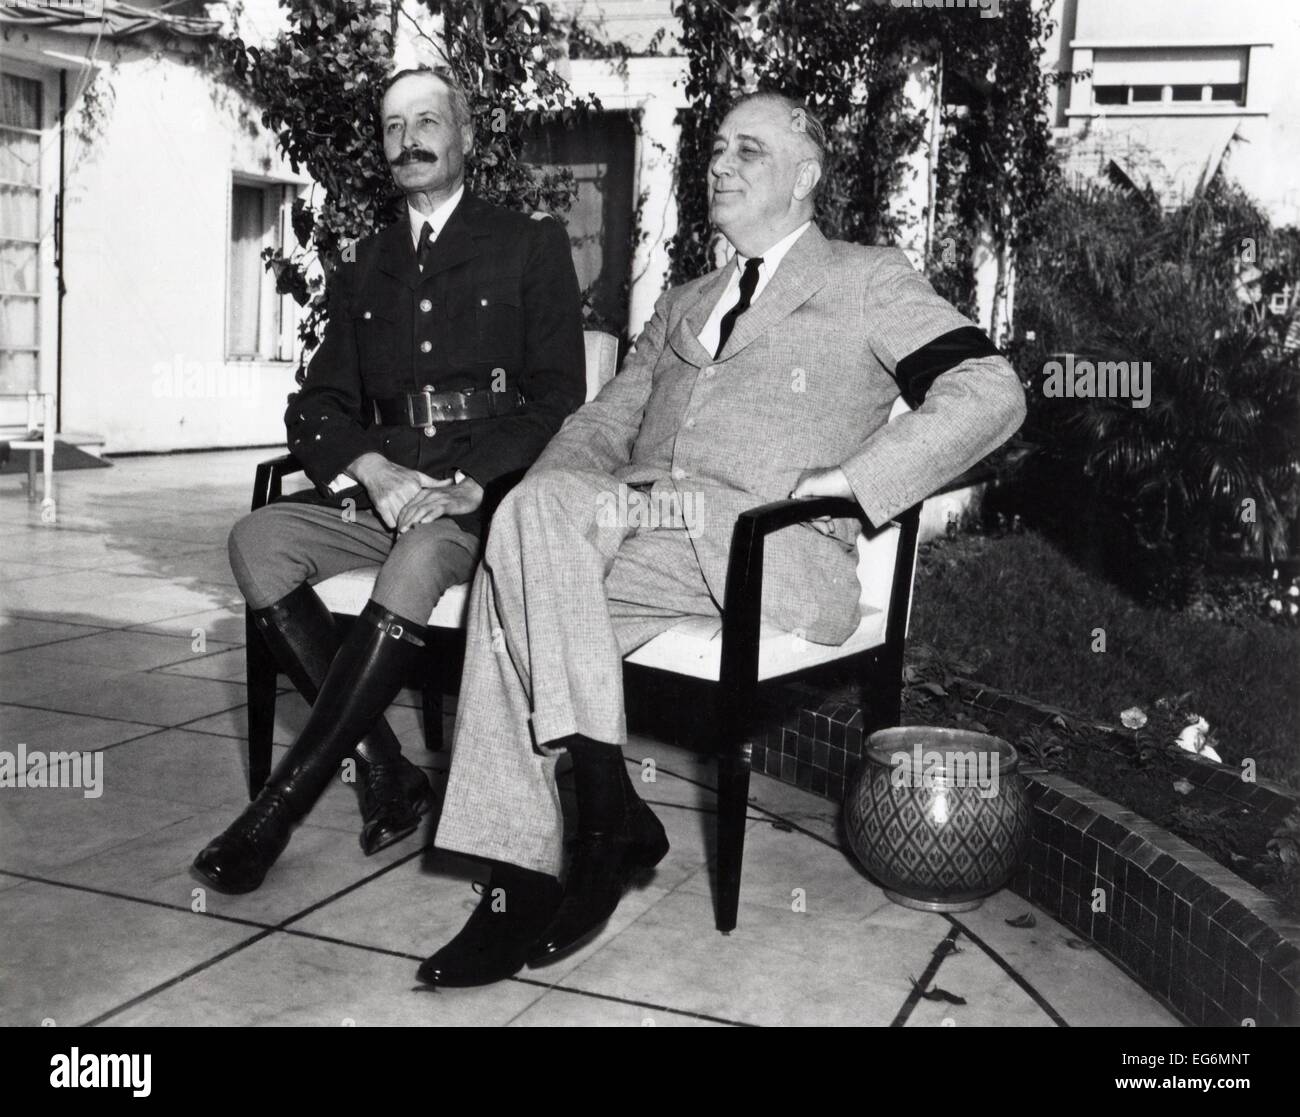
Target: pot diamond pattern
<point>937,844</point>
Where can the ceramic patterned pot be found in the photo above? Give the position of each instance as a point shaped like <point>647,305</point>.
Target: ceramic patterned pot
<point>938,816</point>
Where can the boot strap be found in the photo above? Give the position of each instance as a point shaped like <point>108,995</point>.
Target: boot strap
<point>399,632</point>
<point>389,628</point>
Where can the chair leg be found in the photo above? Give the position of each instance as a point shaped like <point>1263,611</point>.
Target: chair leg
<point>882,691</point>
<point>733,808</point>
<point>262,678</point>
<point>431,697</point>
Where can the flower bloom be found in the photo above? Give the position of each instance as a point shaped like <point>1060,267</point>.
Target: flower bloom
<point>1194,738</point>
<point>1133,718</point>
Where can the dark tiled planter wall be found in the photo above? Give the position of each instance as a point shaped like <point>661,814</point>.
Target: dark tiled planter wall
<point>814,743</point>
<point>1213,948</point>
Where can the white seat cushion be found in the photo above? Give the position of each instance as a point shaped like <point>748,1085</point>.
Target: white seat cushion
<point>694,646</point>
<point>347,593</point>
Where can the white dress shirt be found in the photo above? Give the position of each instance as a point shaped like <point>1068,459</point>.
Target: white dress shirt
<point>437,219</point>
<point>731,292</point>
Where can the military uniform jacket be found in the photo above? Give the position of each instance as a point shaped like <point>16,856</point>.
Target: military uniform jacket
<point>497,309</point>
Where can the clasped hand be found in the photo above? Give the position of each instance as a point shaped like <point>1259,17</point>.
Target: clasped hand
<point>404,497</point>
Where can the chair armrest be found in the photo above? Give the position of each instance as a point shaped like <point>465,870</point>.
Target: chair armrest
<point>267,485</point>
<point>742,607</point>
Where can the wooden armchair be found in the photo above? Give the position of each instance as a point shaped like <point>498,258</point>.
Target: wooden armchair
<point>736,656</point>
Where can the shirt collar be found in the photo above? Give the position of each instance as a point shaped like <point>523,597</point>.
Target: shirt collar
<point>437,219</point>
<point>774,255</point>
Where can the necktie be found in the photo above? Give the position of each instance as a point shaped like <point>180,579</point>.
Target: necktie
<point>424,250</point>
<point>748,281</point>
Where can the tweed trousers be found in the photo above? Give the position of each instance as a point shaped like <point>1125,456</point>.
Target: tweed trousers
<point>565,590</point>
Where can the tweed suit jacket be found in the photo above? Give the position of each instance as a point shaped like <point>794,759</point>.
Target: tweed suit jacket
<point>805,381</point>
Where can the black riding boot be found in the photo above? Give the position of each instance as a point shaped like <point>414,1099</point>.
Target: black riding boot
<point>362,681</point>
<point>394,793</point>
<point>617,837</point>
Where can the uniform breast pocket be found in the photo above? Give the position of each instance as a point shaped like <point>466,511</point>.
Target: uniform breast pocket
<point>379,341</point>
<point>499,314</point>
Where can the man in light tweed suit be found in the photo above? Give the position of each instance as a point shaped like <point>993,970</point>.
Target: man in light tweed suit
<point>773,376</point>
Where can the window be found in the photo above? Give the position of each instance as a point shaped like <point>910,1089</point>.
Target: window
<point>259,322</point>
<point>1173,76</point>
<point>1229,94</point>
<point>20,232</point>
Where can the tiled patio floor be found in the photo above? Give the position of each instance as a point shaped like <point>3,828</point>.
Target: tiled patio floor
<point>120,632</point>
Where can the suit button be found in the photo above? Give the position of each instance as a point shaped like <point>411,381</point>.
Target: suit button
<point>708,372</point>
<point>426,346</point>
<point>690,424</point>
<point>367,315</point>
<point>679,474</point>
<point>430,431</point>
<point>482,302</point>
<point>426,305</point>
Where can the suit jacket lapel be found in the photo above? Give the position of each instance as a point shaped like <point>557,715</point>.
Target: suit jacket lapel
<point>397,256</point>
<point>800,275</point>
<point>685,339</point>
<point>455,244</point>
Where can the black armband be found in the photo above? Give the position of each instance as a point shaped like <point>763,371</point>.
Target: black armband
<point>917,371</point>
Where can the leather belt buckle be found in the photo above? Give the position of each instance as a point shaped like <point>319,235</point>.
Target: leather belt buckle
<point>425,395</point>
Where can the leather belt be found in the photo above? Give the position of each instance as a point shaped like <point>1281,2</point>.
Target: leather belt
<point>427,407</point>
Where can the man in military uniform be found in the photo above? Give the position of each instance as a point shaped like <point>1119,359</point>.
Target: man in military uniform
<point>453,352</point>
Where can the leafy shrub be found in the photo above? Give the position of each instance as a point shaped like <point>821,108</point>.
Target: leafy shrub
<point>1212,463</point>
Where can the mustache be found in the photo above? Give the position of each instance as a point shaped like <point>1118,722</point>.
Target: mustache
<point>414,155</point>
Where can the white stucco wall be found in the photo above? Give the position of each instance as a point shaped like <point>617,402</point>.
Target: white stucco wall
<point>147,220</point>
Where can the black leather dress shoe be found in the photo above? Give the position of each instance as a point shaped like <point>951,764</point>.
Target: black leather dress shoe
<point>496,941</point>
<point>237,860</point>
<point>602,867</point>
<point>394,796</point>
